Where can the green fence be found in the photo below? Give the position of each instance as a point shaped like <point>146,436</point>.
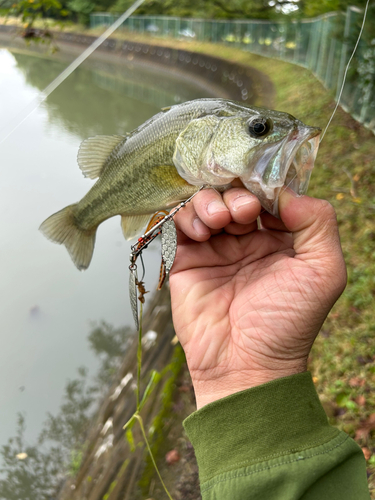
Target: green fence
<point>323,44</point>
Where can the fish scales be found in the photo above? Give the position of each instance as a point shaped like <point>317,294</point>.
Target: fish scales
<point>165,161</point>
<point>133,164</point>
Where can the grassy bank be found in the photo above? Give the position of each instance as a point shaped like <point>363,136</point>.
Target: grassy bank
<point>342,360</point>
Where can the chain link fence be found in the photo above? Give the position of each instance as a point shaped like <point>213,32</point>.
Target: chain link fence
<point>323,45</point>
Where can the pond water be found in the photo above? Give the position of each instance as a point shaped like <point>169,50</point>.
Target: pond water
<point>47,307</point>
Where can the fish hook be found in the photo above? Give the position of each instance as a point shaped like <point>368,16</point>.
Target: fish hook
<point>160,223</point>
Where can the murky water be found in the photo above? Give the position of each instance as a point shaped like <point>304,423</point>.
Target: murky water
<point>47,306</point>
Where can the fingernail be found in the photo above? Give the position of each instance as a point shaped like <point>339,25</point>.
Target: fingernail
<point>199,227</point>
<point>242,200</point>
<point>215,207</point>
<point>292,193</point>
<point>286,196</point>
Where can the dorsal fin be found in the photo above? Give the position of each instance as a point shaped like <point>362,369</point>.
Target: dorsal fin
<point>94,151</point>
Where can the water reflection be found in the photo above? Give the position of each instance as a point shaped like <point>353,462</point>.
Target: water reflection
<point>46,305</point>
<point>33,474</point>
<point>125,88</point>
<point>30,472</point>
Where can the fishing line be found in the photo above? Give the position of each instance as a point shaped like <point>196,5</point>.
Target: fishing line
<point>341,89</point>
<point>346,71</point>
<point>35,103</point>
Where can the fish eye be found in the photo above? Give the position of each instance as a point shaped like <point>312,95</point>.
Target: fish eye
<point>260,126</point>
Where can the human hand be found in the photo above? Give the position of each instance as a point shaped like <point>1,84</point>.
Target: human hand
<point>247,303</point>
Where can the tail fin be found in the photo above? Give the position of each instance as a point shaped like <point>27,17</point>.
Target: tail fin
<point>61,228</point>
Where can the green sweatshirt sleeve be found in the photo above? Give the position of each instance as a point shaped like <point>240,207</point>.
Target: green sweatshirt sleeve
<point>273,442</point>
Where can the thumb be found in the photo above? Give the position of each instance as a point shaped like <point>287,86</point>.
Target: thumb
<point>313,225</point>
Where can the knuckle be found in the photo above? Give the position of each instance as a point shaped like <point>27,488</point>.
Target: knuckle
<point>326,211</point>
<point>326,220</point>
<point>342,277</point>
<point>336,275</point>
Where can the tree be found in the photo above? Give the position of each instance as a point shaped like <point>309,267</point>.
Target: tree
<point>236,9</point>
<point>68,427</point>
<point>27,472</point>
<point>110,345</point>
<point>31,10</point>
<point>311,8</point>
<point>82,9</point>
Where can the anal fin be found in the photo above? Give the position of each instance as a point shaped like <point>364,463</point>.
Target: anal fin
<point>132,225</point>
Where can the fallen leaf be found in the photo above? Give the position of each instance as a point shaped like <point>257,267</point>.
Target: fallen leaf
<point>172,457</point>
<point>366,427</point>
<point>339,196</point>
<point>21,456</point>
<point>184,388</point>
<point>361,434</point>
<point>367,453</point>
<point>356,177</point>
<point>360,400</point>
<point>315,380</point>
<point>357,382</point>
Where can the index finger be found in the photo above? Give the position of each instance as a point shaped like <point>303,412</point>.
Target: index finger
<point>235,211</point>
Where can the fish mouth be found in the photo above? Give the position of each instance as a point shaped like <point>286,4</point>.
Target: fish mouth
<point>299,163</point>
<point>289,165</point>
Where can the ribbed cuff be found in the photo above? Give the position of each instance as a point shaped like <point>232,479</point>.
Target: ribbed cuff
<point>277,418</point>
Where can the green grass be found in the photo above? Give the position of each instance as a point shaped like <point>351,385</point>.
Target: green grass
<point>159,425</point>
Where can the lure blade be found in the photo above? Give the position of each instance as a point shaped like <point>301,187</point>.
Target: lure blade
<point>133,296</point>
<point>168,244</point>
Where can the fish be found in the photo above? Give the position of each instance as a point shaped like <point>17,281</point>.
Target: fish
<point>169,157</point>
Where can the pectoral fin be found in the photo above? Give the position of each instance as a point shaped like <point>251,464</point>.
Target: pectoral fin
<point>132,225</point>
<point>94,151</point>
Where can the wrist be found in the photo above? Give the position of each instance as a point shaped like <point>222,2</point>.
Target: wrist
<point>207,390</point>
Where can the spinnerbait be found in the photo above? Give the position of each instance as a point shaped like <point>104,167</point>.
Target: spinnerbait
<point>159,224</point>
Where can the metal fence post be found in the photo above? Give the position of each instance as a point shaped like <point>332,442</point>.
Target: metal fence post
<point>329,69</point>
<point>343,53</point>
<point>322,48</point>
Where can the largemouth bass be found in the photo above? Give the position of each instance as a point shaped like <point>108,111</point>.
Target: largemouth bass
<point>165,160</point>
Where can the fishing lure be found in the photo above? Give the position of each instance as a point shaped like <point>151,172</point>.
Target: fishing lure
<point>159,225</point>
